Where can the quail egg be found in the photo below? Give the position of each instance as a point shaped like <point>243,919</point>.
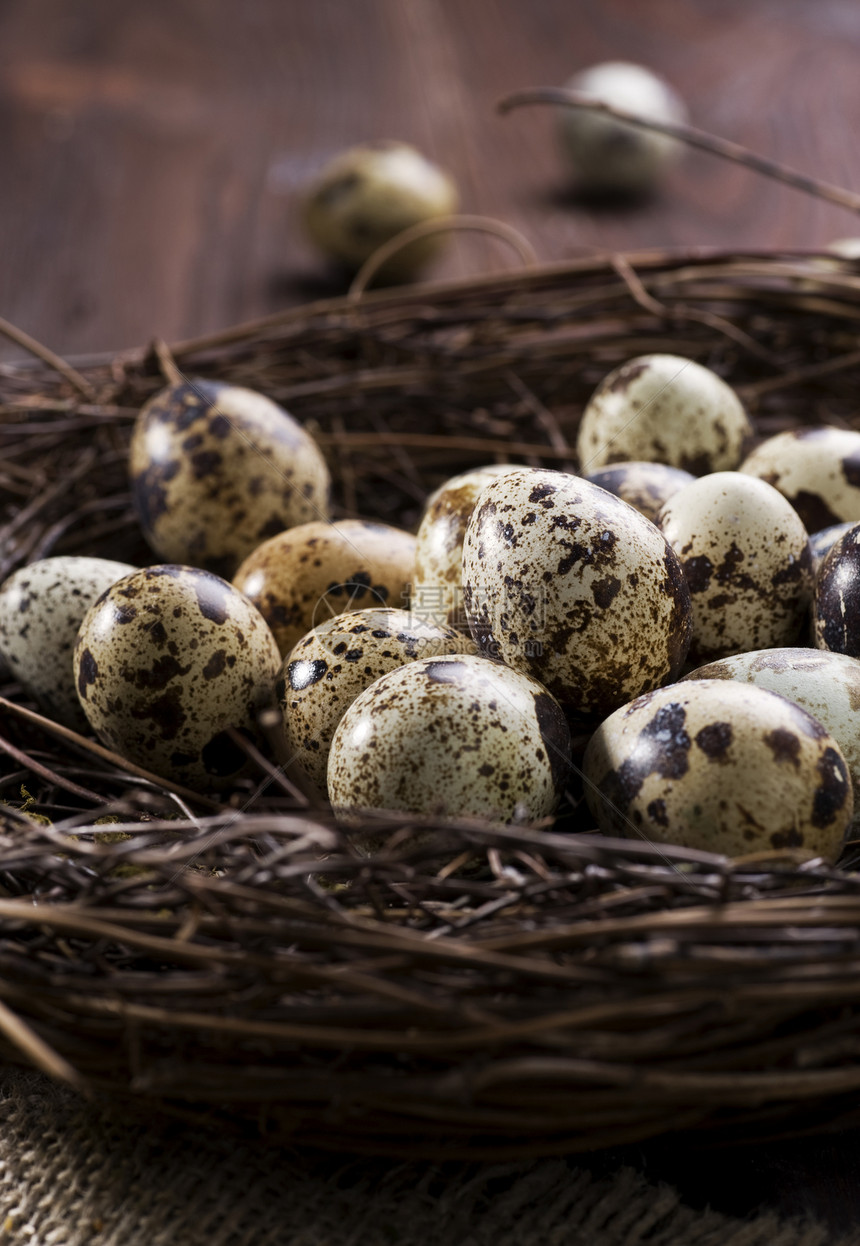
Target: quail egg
<point>664,409</point>
<point>836,599</point>
<point>817,469</point>
<point>610,155</point>
<point>644,486</point>
<point>167,660</point>
<point>216,469</point>
<point>41,608</point>
<point>722,766</point>
<point>746,558</point>
<point>454,735</point>
<point>369,194</point>
<point>304,577</point>
<point>438,593</point>
<point>827,685</point>
<point>335,662</point>
<point>570,584</point>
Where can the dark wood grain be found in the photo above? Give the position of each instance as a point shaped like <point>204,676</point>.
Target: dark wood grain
<point>152,154</point>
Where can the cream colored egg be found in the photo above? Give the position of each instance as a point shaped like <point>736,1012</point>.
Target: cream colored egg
<point>610,155</point>
<point>334,663</point>
<point>746,559</point>
<point>304,577</point>
<point>437,594</point>
<point>216,469</point>
<point>167,661</point>
<point>644,486</point>
<point>368,195</point>
<point>817,469</point>
<point>570,584</point>
<point>41,608</point>
<point>664,409</point>
<point>827,685</point>
<point>721,766</point>
<point>455,735</point>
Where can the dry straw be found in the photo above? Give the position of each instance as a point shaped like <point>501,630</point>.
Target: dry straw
<point>487,991</point>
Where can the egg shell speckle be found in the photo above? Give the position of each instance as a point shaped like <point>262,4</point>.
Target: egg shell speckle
<point>821,542</point>
<point>746,558</point>
<point>722,766</point>
<point>570,584</point>
<point>817,469</point>
<point>836,599</point>
<point>41,608</point>
<point>664,409</point>
<point>826,685</point>
<point>166,661</point>
<point>455,735</point>
<point>438,589</point>
<point>216,469</point>
<point>644,486</point>
<point>334,663</point>
<point>305,576</point>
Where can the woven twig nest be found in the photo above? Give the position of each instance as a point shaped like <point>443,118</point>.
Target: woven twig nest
<point>484,990</point>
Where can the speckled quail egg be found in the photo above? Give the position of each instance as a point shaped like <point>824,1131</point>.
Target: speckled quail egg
<point>166,662</point>
<point>817,469</point>
<point>722,766</point>
<point>746,558</point>
<point>437,593</point>
<point>41,608</point>
<point>836,599</point>
<point>644,486</point>
<point>216,469</point>
<point>827,685</point>
<point>456,735</point>
<point>821,542</point>
<point>610,155</point>
<point>335,662</point>
<point>305,576</point>
<point>664,409</point>
<point>369,194</point>
<point>565,581</point>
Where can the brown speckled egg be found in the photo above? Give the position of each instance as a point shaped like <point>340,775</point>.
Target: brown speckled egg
<point>644,486</point>
<point>665,409</point>
<point>166,661</point>
<point>565,581</point>
<point>836,600</point>
<point>335,662</point>
<point>827,685</point>
<point>722,766</point>
<point>41,608</point>
<point>216,469</point>
<point>437,593</point>
<point>451,735</point>
<point>305,576</point>
<point>817,469</point>
<point>367,195</point>
<point>746,558</point>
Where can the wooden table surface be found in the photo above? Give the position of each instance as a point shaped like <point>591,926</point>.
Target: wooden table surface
<point>151,156</point>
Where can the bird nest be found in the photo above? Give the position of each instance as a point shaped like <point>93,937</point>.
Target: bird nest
<point>483,990</point>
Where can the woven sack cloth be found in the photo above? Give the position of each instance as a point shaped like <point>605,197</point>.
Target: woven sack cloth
<point>77,1174</point>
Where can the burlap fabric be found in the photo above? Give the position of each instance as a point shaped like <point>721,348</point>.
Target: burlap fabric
<point>74,1174</point>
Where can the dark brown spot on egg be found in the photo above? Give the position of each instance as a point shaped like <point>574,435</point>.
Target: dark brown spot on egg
<point>555,735</point>
<point>216,665</point>
<point>832,791</point>
<point>303,673</point>
<point>165,712</point>
<point>697,571</point>
<point>791,838</point>
<point>784,745</point>
<point>605,591</point>
<point>813,510</point>
<point>656,811</point>
<point>88,672</point>
<point>714,741</point>
<point>158,675</point>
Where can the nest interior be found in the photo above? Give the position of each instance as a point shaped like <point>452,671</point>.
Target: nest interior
<point>485,991</point>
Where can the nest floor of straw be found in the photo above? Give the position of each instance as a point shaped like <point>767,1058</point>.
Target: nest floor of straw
<point>487,991</point>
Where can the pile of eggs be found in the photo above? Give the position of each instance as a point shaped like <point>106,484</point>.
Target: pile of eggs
<point>666,606</point>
